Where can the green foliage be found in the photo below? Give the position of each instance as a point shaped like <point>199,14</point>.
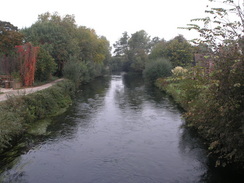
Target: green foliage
<point>74,69</point>
<point>214,105</point>
<point>156,69</point>
<point>82,72</point>
<point>185,87</point>
<point>177,50</point>
<point>10,126</point>
<point>133,51</point>
<point>62,38</point>
<point>116,63</point>
<point>17,113</point>
<point>121,46</point>
<point>218,115</point>
<point>45,66</point>
<point>222,119</point>
<point>9,37</point>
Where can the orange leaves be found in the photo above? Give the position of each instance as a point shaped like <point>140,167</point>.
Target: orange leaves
<point>27,58</point>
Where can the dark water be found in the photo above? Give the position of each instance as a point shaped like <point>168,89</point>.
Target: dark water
<point>118,131</point>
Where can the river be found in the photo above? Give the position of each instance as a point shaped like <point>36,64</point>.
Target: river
<point>117,131</point>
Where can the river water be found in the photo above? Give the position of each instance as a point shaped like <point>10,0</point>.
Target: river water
<point>117,131</point>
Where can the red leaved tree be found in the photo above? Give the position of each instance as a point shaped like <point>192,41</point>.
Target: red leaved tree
<point>27,58</point>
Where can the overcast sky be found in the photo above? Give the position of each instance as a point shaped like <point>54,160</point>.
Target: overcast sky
<point>110,18</point>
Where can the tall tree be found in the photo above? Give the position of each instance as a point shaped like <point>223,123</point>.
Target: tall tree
<point>121,46</point>
<point>179,51</point>
<point>133,51</point>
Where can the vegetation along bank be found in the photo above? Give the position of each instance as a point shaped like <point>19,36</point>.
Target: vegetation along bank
<point>18,113</point>
<point>212,92</point>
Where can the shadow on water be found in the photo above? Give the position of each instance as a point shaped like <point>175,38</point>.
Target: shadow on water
<point>130,94</point>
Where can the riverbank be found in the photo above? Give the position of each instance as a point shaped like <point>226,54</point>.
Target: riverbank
<point>19,110</point>
<point>221,129</point>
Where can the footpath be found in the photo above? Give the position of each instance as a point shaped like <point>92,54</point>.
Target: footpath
<point>24,91</point>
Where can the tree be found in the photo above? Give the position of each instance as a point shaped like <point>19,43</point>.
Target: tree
<point>158,50</point>
<point>45,65</point>
<point>9,37</point>
<point>56,35</point>
<point>218,28</point>
<point>178,50</point>
<point>121,46</point>
<point>140,46</point>
<point>63,39</point>
<point>92,47</point>
<point>133,51</point>
<point>121,51</point>
<point>221,122</point>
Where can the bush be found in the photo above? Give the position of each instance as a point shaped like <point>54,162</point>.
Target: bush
<point>74,69</point>
<point>45,66</point>
<point>156,69</point>
<point>81,71</point>
<point>18,112</point>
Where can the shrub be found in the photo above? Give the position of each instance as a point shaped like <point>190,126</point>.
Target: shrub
<point>45,66</point>
<point>18,112</point>
<point>74,69</point>
<point>156,69</point>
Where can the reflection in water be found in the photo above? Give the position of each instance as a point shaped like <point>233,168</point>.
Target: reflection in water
<point>118,130</point>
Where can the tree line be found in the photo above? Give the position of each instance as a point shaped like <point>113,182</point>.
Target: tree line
<point>65,47</point>
<point>61,42</point>
<point>132,53</point>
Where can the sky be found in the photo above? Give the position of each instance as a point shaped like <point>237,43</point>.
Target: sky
<point>110,18</point>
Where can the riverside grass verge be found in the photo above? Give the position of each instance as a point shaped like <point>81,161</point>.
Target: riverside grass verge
<point>220,127</point>
<point>18,113</point>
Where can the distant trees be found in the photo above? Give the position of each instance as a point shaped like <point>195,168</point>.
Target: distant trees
<point>178,50</point>
<point>133,52</point>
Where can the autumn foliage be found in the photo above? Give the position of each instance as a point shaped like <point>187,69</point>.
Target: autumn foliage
<point>27,55</point>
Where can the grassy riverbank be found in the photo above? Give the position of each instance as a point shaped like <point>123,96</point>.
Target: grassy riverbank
<point>20,112</point>
<point>217,120</point>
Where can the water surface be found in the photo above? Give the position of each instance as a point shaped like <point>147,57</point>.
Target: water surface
<point>117,131</point>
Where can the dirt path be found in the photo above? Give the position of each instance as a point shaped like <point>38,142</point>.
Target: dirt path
<point>25,91</point>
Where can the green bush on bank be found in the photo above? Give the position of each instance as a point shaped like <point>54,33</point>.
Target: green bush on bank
<point>156,69</point>
<point>81,71</point>
<point>218,120</point>
<point>18,112</point>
